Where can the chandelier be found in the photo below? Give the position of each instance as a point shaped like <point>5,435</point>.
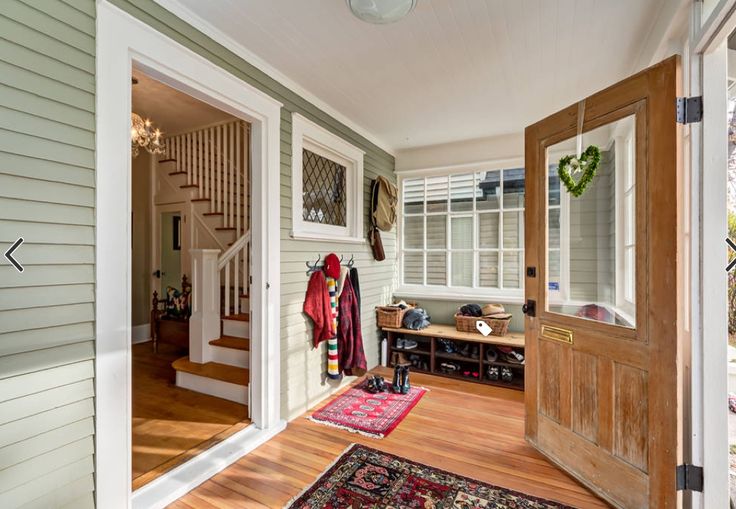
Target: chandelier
<point>142,134</point>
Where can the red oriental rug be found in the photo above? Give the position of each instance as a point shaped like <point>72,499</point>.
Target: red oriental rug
<point>374,415</point>
<point>363,478</point>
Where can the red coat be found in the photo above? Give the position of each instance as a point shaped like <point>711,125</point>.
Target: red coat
<point>317,307</point>
<point>352,359</point>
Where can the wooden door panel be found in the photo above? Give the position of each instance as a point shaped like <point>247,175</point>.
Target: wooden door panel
<point>549,378</point>
<point>584,381</point>
<point>603,402</point>
<point>630,415</point>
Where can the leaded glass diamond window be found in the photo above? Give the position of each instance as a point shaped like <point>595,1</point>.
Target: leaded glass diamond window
<point>323,190</point>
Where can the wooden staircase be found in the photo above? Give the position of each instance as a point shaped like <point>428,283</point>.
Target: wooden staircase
<point>227,375</point>
<point>208,169</point>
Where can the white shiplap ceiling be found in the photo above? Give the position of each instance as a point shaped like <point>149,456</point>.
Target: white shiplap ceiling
<point>451,70</point>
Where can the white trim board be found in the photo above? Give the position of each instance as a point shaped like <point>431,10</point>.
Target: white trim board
<point>123,41</point>
<point>158,494</point>
<point>228,42</point>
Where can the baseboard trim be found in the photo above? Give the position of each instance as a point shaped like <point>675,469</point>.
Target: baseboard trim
<point>184,478</point>
<point>140,333</point>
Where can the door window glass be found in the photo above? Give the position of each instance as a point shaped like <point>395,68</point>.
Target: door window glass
<point>597,235</point>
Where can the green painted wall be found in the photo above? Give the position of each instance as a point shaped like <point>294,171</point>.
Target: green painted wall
<point>47,193</point>
<point>303,368</point>
<point>47,149</point>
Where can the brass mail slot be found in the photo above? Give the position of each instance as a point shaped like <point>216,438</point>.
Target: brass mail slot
<point>556,334</point>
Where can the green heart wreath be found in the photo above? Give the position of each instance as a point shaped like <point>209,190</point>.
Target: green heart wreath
<point>587,163</point>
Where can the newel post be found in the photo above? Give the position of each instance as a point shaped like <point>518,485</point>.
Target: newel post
<point>204,324</point>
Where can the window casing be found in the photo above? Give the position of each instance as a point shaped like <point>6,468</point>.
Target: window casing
<point>327,185</point>
<point>626,219</point>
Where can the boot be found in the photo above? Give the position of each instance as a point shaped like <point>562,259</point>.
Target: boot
<point>401,359</point>
<point>405,386</point>
<point>394,359</point>
<point>396,384</point>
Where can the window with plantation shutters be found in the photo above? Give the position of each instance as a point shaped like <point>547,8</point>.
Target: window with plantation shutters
<point>465,231</point>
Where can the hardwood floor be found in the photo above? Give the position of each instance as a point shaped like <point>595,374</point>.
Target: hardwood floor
<point>469,429</point>
<point>171,424</point>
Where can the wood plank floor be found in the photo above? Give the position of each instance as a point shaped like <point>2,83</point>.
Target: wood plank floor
<point>171,424</point>
<point>469,429</point>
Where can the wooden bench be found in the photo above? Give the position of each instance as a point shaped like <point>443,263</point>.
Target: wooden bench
<point>429,348</point>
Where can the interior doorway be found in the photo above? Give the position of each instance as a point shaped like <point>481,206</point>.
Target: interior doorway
<point>190,192</point>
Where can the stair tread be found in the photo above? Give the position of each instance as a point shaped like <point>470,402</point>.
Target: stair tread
<point>232,342</point>
<point>224,228</point>
<point>169,160</point>
<point>189,186</point>
<point>177,173</point>
<point>241,317</point>
<point>214,370</point>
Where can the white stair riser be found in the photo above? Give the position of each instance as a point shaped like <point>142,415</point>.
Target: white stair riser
<point>245,304</point>
<point>236,328</point>
<point>230,356</point>
<point>217,388</point>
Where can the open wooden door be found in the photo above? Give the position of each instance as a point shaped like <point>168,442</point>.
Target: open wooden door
<point>603,291</point>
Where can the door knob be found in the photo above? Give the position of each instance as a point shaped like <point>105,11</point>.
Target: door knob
<point>529,308</point>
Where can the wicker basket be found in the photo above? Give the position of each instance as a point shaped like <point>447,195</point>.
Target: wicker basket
<point>391,316</point>
<point>499,326</point>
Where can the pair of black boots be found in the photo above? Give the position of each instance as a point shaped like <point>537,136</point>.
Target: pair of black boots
<point>401,379</point>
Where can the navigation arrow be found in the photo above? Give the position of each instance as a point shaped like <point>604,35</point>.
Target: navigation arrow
<point>9,255</point>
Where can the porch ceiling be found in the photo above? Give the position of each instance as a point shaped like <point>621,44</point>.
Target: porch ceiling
<point>452,70</point>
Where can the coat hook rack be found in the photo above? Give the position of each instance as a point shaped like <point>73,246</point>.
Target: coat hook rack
<point>316,266</point>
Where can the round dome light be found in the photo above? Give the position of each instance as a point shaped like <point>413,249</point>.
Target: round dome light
<point>380,12</point>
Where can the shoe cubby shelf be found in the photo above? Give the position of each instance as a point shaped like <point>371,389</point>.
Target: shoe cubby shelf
<point>429,348</point>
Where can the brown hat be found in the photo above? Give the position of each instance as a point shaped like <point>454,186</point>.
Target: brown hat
<point>492,309</point>
<point>332,266</point>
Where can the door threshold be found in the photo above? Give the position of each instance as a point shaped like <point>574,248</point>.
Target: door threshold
<point>179,481</point>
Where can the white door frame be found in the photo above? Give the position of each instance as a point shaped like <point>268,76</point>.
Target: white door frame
<point>709,149</point>
<point>121,42</point>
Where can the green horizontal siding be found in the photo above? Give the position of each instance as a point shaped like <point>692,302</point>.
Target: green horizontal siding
<point>303,367</point>
<point>47,143</point>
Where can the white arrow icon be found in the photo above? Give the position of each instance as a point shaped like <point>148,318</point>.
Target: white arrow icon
<point>9,255</point>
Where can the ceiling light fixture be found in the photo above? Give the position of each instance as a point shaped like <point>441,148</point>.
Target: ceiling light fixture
<point>142,134</point>
<point>381,12</point>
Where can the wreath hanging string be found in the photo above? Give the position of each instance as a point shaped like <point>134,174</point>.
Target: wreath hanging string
<point>586,161</point>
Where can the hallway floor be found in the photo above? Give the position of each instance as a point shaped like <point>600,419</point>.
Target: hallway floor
<point>171,424</point>
<point>469,429</point>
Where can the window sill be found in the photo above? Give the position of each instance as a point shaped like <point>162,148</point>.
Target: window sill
<point>467,295</point>
<point>321,237</point>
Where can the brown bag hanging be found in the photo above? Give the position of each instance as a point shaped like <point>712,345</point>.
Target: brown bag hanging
<point>376,244</point>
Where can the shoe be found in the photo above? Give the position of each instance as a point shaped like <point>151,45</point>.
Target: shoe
<point>493,373</point>
<point>514,357</point>
<point>491,354</point>
<point>396,383</point>
<point>465,350</point>
<point>376,384</point>
<point>400,343</point>
<point>475,352</point>
<point>448,346</point>
<point>450,367</point>
<point>507,375</point>
<point>405,386</point>
<point>409,344</point>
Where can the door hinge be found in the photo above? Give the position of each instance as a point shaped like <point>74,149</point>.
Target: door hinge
<point>689,477</point>
<point>689,109</point>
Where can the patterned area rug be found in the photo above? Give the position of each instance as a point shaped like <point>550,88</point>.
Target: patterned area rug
<point>373,415</point>
<point>365,478</point>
